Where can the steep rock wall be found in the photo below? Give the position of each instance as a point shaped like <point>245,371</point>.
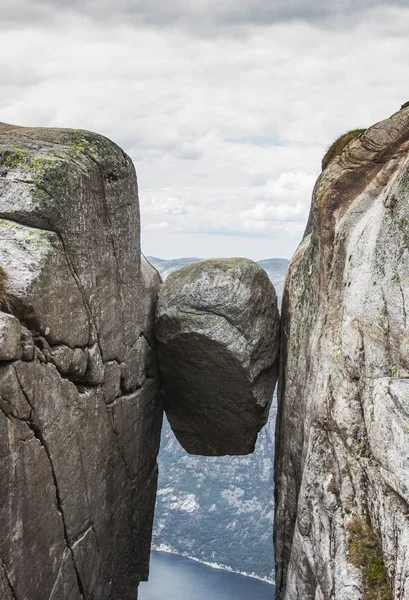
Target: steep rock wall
<point>342,442</point>
<point>80,413</point>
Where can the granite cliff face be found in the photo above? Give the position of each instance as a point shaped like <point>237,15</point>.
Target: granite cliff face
<point>80,412</point>
<point>342,443</point>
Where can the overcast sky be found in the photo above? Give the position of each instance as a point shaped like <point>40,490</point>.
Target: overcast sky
<point>225,106</point>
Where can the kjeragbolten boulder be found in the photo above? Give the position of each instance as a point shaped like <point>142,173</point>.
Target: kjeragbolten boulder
<point>218,340</point>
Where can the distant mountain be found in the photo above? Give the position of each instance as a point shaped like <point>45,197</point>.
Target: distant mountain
<point>276,269</point>
<point>166,267</point>
<point>218,510</point>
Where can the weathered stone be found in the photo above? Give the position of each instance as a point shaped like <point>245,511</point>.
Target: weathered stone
<point>79,363</point>
<point>44,347</point>
<point>137,364</point>
<point>94,374</point>
<point>151,283</point>
<point>38,354</point>
<point>40,282</point>
<point>218,340</point>
<point>343,415</point>
<point>77,481</point>
<point>12,399</point>
<point>27,344</point>
<point>68,200</point>
<point>112,381</point>
<point>32,543</point>
<point>6,592</point>
<point>10,336</point>
<point>128,414</point>
<point>61,357</point>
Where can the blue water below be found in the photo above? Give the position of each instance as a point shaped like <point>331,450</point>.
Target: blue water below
<point>174,577</point>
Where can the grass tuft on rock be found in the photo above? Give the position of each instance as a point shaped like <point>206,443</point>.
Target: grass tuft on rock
<point>337,147</point>
<point>364,552</point>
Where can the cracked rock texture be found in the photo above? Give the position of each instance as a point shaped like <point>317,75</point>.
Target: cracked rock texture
<point>342,444</point>
<point>218,339</point>
<point>80,413</point>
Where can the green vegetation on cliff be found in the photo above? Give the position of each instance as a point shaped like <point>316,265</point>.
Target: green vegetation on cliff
<point>337,147</point>
<point>365,553</point>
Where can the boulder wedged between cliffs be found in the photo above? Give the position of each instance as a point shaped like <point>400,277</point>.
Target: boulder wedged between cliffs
<point>217,330</point>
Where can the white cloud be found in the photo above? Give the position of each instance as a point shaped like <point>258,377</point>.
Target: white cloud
<point>155,206</point>
<point>155,226</point>
<point>207,17</point>
<point>226,130</point>
<point>277,212</point>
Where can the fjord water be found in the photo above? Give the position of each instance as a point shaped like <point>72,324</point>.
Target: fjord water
<point>174,577</point>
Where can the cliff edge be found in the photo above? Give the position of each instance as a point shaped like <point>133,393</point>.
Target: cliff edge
<point>80,412</point>
<point>342,442</point>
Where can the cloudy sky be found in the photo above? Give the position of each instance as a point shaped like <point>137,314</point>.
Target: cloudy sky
<point>225,106</point>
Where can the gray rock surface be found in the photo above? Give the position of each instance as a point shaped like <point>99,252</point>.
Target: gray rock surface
<point>10,337</point>
<point>218,337</point>
<point>342,440</point>
<point>77,453</point>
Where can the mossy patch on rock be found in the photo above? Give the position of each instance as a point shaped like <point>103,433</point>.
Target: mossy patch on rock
<point>364,552</point>
<point>47,171</point>
<point>11,158</point>
<point>337,147</point>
